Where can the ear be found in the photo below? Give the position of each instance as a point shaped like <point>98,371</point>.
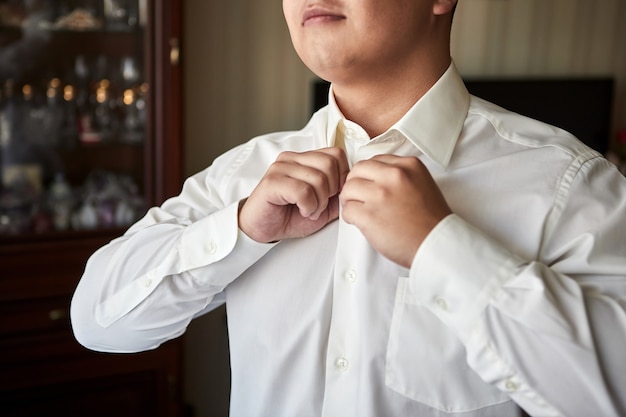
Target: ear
<point>441,7</point>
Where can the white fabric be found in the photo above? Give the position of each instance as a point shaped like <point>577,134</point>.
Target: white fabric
<point>516,299</point>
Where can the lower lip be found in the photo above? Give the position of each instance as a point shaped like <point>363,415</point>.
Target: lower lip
<point>321,19</point>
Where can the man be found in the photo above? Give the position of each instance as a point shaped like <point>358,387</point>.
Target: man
<point>412,251</point>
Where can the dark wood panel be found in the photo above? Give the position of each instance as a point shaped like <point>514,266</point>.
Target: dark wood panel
<point>44,369</point>
<point>133,396</point>
<point>36,267</point>
<point>120,158</point>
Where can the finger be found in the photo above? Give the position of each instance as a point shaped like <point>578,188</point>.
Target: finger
<point>356,199</point>
<point>388,158</point>
<point>360,200</point>
<point>304,186</point>
<point>301,186</point>
<point>324,171</point>
<point>307,186</point>
<point>394,160</point>
<point>341,160</point>
<point>391,169</point>
<point>358,189</point>
<point>352,206</point>
<point>374,170</point>
<point>331,161</point>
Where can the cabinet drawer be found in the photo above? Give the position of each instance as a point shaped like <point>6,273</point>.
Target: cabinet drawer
<point>32,332</point>
<point>93,384</point>
<point>129,395</point>
<point>44,315</point>
<point>48,269</point>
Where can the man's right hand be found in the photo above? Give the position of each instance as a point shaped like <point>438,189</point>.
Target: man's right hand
<point>297,196</point>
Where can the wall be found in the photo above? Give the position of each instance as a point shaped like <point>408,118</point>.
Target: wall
<point>544,38</point>
<point>242,78</point>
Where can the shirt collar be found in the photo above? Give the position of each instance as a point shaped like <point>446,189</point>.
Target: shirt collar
<point>433,124</point>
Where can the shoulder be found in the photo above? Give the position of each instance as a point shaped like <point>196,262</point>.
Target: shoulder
<point>235,172</point>
<point>263,149</point>
<point>518,131</point>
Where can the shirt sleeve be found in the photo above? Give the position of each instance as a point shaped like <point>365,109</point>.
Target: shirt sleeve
<point>549,331</point>
<point>145,287</point>
<point>135,306</point>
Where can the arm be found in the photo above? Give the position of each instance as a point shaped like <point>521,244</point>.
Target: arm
<point>549,332</point>
<point>548,339</point>
<point>145,287</point>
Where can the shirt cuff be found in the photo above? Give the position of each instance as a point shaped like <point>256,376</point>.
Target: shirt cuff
<point>456,272</point>
<point>217,241</point>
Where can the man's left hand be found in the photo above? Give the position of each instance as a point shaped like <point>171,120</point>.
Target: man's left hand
<point>395,203</point>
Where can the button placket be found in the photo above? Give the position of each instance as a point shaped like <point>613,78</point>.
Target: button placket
<point>343,353</point>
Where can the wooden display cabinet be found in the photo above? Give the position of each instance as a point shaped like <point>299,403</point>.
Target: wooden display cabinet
<point>44,370</point>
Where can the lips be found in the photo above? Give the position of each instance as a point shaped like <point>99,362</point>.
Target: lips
<point>320,14</point>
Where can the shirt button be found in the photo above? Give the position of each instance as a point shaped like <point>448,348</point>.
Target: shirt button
<point>350,275</point>
<point>510,386</point>
<point>148,283</point>
<point>211,247</point>
<point>342,364</point>
<point>350,132</point>
<point>441,303</point>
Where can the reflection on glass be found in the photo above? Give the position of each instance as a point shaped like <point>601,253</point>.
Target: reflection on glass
<point>121,14</point>
<point>72,115</point>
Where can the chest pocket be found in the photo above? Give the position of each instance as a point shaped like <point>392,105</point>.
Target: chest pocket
<point>426,363</point>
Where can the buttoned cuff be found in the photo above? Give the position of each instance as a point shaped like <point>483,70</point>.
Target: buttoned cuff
<point>217,241</point>
<point>456,272</point>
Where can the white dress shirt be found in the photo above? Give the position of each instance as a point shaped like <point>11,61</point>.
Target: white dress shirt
<point>516,300</point>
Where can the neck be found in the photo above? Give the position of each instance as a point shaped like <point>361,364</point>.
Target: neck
<point>377,102</point>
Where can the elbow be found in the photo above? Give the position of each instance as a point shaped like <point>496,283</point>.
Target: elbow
<point>113,339</point>
<point>118,337</point>
<point>85,328</point>
<point>92,335</point>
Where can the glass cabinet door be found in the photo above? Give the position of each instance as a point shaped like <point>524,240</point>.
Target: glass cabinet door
<point>74,108</point>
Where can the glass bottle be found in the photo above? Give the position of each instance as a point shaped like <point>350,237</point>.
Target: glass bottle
<point>60,202</point>
<point>105,121</point>
<point>133,117</point>
<point>8,118</point>
<point>68,134</point>
<point>53,113</point>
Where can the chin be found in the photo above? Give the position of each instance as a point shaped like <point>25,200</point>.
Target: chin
<point>330,67</point>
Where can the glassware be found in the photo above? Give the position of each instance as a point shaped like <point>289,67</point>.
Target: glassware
<point>72,102</point>
<point>121,14</point>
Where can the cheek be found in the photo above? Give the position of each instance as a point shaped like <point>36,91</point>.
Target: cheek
<point>290,14</point>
